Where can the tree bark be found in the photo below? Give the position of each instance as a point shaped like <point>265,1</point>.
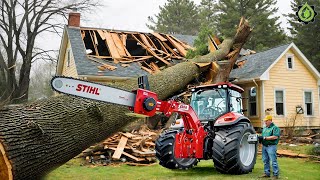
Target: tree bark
<point>37,137</point>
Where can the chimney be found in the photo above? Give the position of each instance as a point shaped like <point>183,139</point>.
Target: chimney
<point>74,19</point>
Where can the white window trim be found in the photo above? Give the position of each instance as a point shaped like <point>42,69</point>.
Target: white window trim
<point>248,104</point>
<point>284,102</point>
<point>304,103</point>
<point>292,61</point>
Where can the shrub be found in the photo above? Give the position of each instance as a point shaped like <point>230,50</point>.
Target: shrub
<point>315,150</point>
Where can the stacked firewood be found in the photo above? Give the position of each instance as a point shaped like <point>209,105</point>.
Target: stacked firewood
<point>136,148</point>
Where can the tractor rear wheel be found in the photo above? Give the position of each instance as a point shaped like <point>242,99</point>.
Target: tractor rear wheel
<point>165,152</point>
<point>232,154</point>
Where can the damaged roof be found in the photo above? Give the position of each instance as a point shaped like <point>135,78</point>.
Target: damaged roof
<point>101,52</point>
<point>256,64</point>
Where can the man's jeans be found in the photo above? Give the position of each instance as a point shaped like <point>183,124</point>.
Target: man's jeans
<point>270,153</point>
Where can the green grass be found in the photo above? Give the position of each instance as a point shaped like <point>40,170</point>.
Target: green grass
<point>305,149</point>
<point>289,169</point>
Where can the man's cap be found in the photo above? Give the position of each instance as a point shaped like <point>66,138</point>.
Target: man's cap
<point>268,117</point>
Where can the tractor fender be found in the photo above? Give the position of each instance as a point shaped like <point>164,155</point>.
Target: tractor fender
<point>230,119</point>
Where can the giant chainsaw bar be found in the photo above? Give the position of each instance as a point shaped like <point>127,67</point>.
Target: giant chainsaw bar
<point>142,101</point>
<point>93,91</point>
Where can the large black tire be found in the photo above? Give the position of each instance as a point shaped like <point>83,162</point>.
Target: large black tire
<point>165,152</point>
<point>232,154</point>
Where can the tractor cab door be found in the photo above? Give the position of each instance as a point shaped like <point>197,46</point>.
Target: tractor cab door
<point>209,104</point>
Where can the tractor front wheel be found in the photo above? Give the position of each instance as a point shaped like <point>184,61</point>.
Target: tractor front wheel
<point>232,154</point>
<point>165,152</point>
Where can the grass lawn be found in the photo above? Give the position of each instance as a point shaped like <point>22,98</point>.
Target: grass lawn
<point>289,169</point>
<point>300,149</point>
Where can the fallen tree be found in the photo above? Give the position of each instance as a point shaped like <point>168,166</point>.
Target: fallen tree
<point>40,136</point>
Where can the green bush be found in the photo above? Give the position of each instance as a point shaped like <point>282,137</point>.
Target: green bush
<point>315,150</point>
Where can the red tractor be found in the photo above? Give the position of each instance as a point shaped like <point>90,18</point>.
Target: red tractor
<point>213,124</point>
<point>213,127</point>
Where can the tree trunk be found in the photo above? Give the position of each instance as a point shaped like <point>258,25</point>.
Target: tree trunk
<point>40,136</point>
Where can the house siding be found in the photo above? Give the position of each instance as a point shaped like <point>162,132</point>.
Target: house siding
<point>71,70</point>
<point>294,82</point>
<point>255,120</point>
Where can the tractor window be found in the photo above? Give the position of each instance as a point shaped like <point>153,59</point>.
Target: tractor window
<point>235,101</point>
<point>209,104</point>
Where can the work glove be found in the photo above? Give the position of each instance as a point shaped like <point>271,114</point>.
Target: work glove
<point>260,138</point>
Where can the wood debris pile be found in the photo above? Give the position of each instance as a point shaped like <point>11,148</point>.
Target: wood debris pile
<point>136,148</point>
<point>151,51</point>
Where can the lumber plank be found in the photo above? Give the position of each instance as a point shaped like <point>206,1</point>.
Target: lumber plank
<point>145,40</point>
<point>162,46</point>
<point>107,66</point>
<point>155,67</point>
<point>185,45</point>
<point>170,49</point>
<point>95,38</point>
<point>100,57</point>
<point>129,155</point>
<point>177,45</point>
<point>83,34</point>
<point>137,60</point>
<point>150,51</point>
<point>124,39</point>
<point>159,36</point>
<point>118,43</point>
<point>112,47</point>
<point>94,43</point>
<point>101,34</point>
<point>146,69</point>
<point>151,42</point>
<point>117,153</point>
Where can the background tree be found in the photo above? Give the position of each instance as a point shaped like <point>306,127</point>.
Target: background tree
<point>266,28</point>
<point>176,17</point>
<point>21,22</point>
<point>306,36</point>
<point>208,14</point>
<point>39,82</point>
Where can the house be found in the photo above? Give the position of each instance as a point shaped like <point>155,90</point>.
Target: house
<point>287,87</point>
<point>286,83</point>
<point>104,55</point>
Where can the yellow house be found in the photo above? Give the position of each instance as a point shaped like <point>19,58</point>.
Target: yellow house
<point>287,87</point>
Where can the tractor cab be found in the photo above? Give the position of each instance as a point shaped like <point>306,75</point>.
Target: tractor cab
<point>214,100</point>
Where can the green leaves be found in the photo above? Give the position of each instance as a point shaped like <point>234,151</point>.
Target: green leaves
<point>176,17</point>
<point>266,32</point>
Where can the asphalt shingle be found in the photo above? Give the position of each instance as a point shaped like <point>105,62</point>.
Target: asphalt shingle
<point>257,64</point>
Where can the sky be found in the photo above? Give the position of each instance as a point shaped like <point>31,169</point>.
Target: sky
<point>132,15</point>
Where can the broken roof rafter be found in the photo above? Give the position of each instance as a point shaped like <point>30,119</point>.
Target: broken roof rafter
<point>154,49</point>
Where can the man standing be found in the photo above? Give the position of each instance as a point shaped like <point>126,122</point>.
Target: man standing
<point>270,138</point>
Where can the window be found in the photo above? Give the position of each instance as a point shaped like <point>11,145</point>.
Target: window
<point>279,102</point>
<point>235,98</point>
<point>252,104</point>
<point>290,62</point>
<point>308,103</point>
<point>68,58</point>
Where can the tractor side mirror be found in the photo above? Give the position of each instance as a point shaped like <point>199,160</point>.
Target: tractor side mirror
<point>253,92</point>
